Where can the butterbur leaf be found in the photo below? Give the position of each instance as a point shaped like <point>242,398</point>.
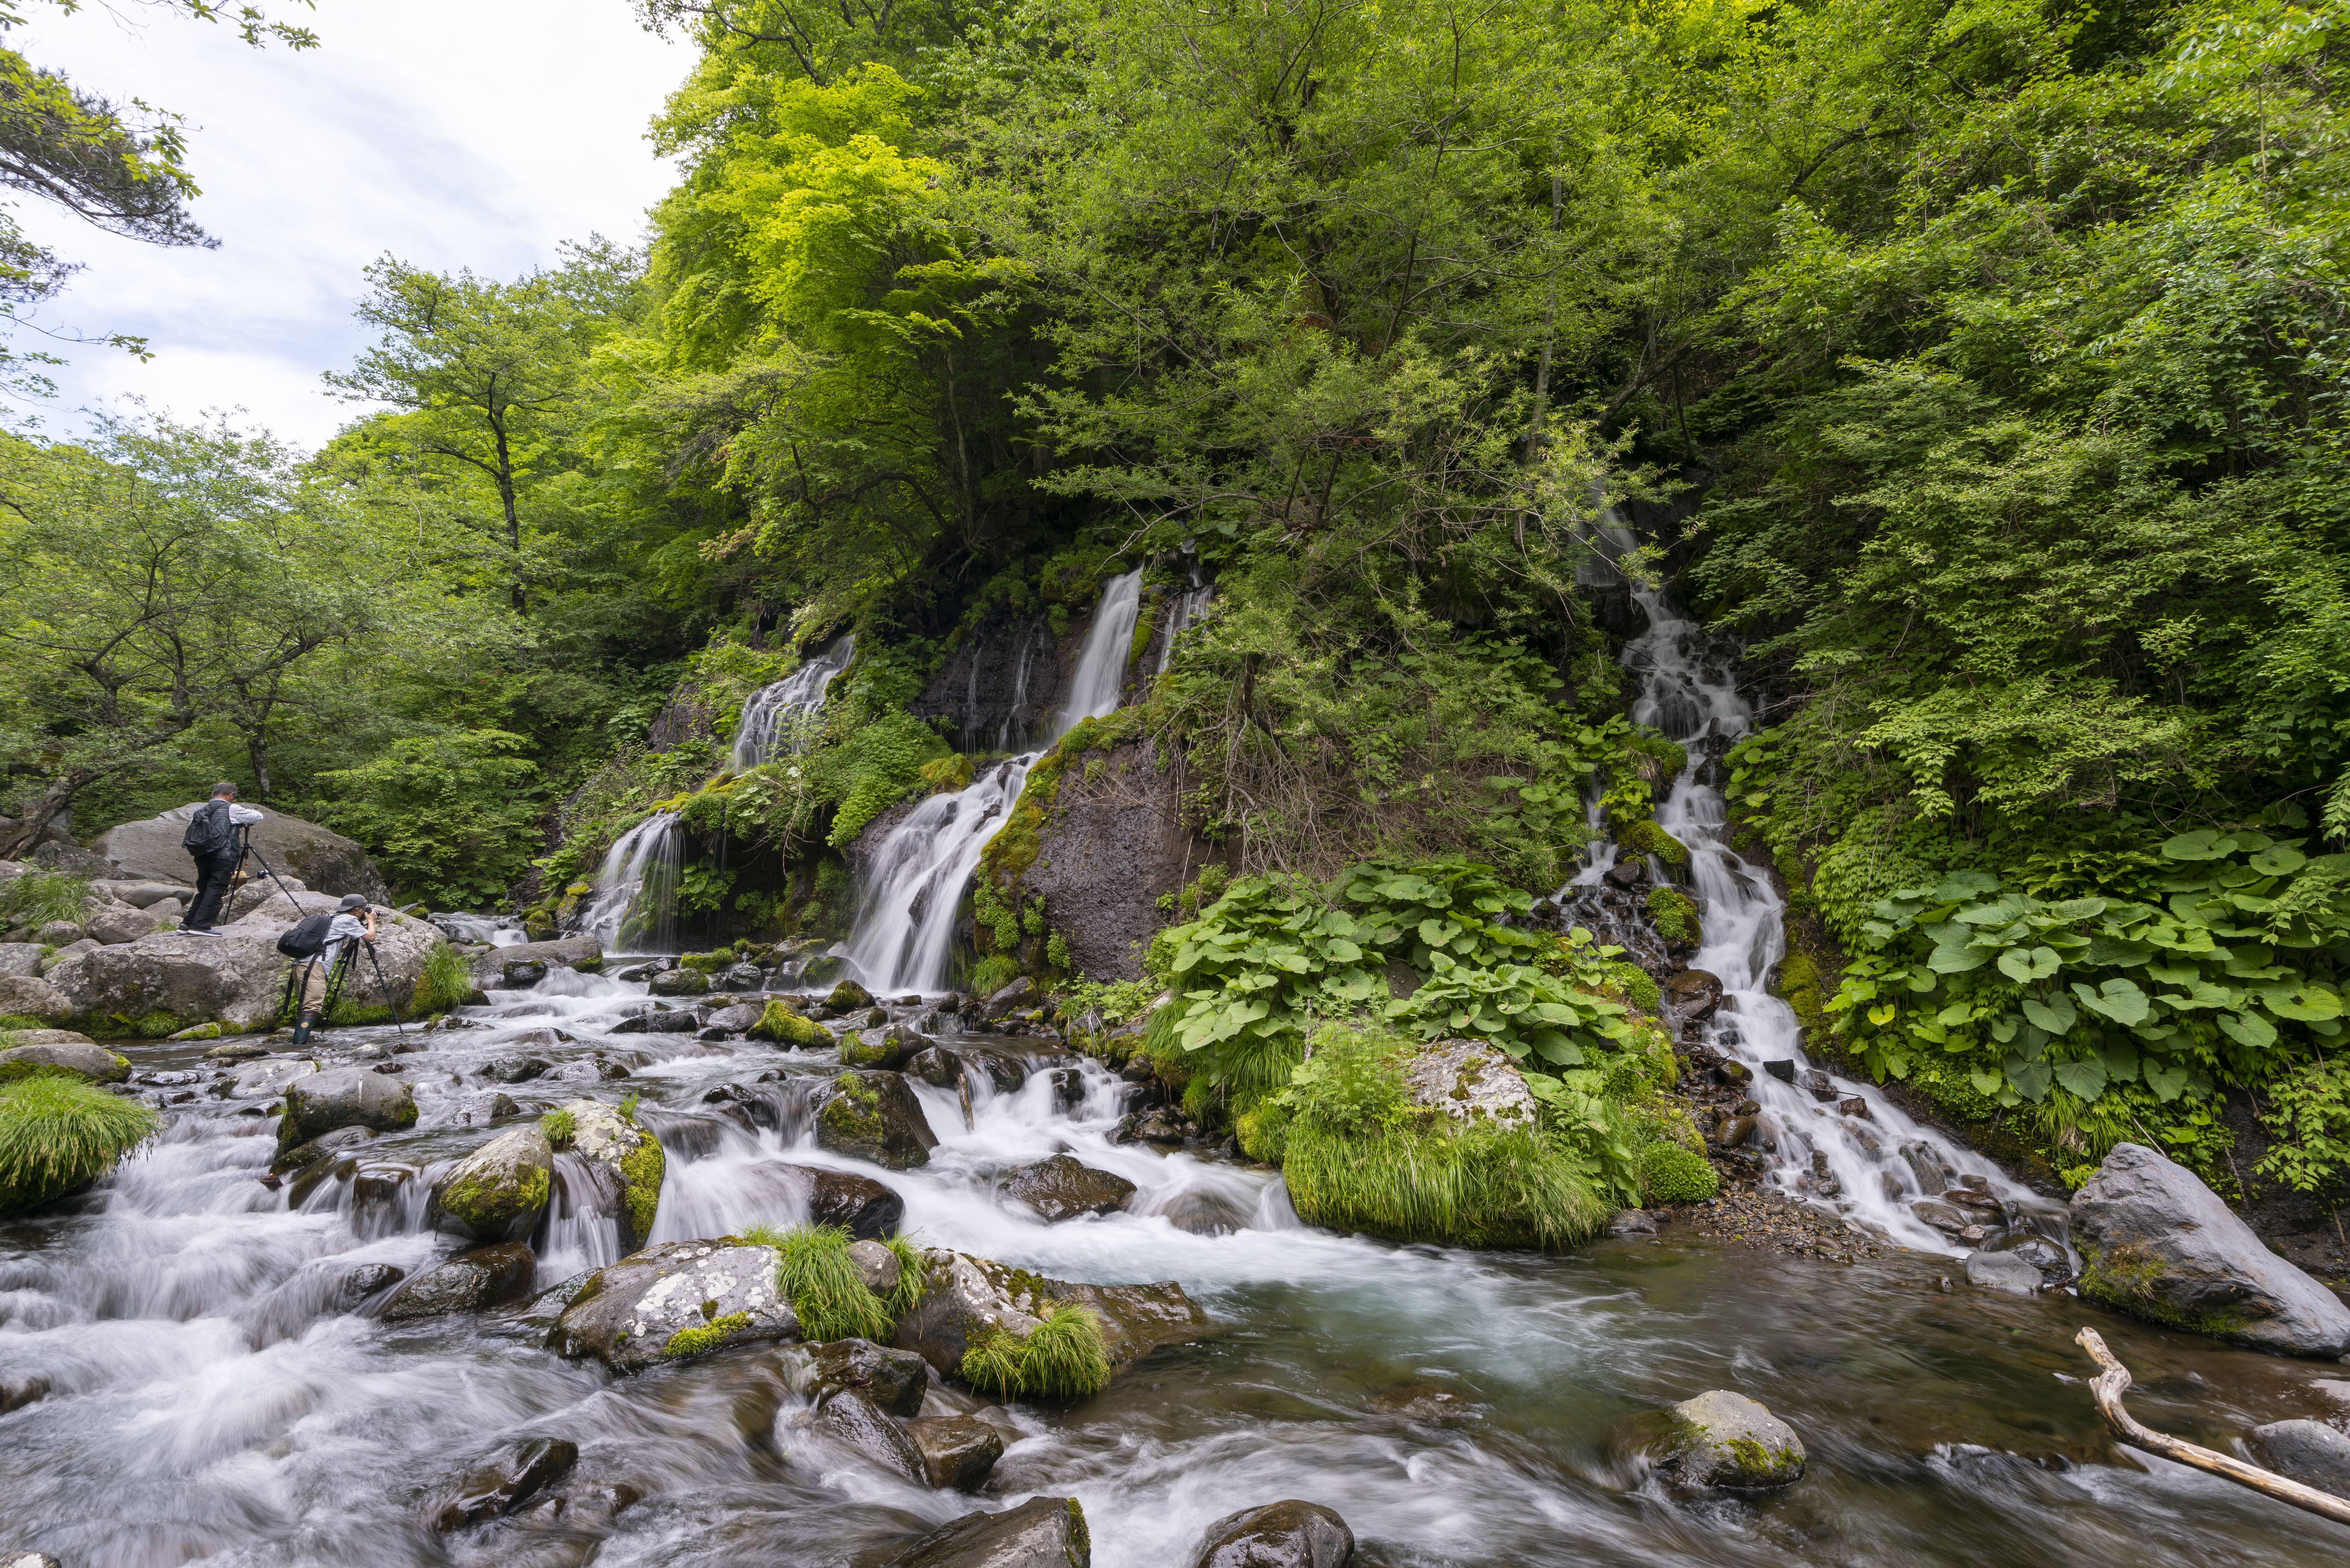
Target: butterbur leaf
<point>2073,909</point>
<point>2055,1014</point>
<point>2086,1077</point>
<point>2203,844</point>
<point>2304,1003</point>
<point>2118,951</point>
<point>1341,951</point>
<point>2030,1078</point>
<point>2167,1079</point>
<point>2118,999</point>
<point>1985,1083</point>
<point>1881,1015</point>
<point>2025,965</point>
<point>2120,1057</point>
<point>1962,884</point>
<point>2249,1028</point>
<point>1957,1012</point>
<point>1957,960</point>
<point>2279,860</point>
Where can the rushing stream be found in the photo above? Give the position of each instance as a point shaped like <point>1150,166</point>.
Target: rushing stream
<point>192,1372</point>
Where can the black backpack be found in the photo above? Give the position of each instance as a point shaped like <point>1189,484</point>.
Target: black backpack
<point>307,939</point>
<point>209,832</point>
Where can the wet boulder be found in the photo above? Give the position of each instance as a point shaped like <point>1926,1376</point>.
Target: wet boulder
<point>325,1146</point>
<point>877,1265</point>
<point>856,1422</point>
<point>1469,1081</point>
<point>70,1056</point>
<point>628,1154</point>
<point>497,1192</point>
<point>30,996</point>
<point>895,1380</point>
<point>344,1097</point>
<point>1020,994</point>
<point>965,1297</point>
<point>742,976</point>
<point>958,1452</point>
<point>1043,1532</point>
<point>679,982</point>
<point>1725,1440</point>
<point>506,1482</point>
<point>2161,1245</point>
<point>485,1277</point>
<point>676,1300</point>
<point>1290,1534</point>
<point>490,964</point>
<point>517,974</point>
<point>2310,1452</point>
<point>889,1046</point>
<point>739,1018</point>
<point>786,1025</point>
<point>857,1204</point>
<point>1693,994</point>
<point>849,996</point>
<point>1061,1189</point>
<point>515,1069</point>
<point>1203,1211</point>
<point>2003,1272</point>
<point>874,1116</point>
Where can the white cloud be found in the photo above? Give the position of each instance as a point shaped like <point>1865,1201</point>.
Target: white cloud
<point>449,134</point>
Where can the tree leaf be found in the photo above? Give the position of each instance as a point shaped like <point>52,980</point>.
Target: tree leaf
<point>2030,1078</point>
<point>1962,884</point>
<point>1957,960</point>
<point>2119,952</point>
<point>2118,999</point>
<point>2167,1079</point>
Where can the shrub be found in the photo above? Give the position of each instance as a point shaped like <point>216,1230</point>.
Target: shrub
<point>823,1283</point>
<point>1671,1174</point>
<point>1063,1357</point>
<point>57,1135</point>
<point>447,983</point>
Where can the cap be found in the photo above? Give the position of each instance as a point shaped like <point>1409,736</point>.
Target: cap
<point>351,901</point>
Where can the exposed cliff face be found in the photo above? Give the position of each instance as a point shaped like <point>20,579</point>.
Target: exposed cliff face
<point>999,686</point>
<point>1111,846</point>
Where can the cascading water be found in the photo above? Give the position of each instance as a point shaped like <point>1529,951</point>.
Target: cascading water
<point>634,906</point>
<point>769,712</point>
<point>1872,1168</point>
<point>914,878</point>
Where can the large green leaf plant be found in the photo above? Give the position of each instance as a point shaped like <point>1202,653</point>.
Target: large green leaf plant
<point>2224,969</point>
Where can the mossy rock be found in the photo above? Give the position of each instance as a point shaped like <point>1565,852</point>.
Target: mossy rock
<point>784,1024</point>
<point>1674,914</point>
<point>497,1192</point>
<point>599,1132</point>
<point>875,1117</point>
<point>707,963</point>
<point>1644,837</point>
<point>62,1053</point>
<point>1724,1440</point>
<point>847,996</point>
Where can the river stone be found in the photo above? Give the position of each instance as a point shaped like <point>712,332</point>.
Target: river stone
<point>344,1097</point>
<point>2003,1272</point>
<point>2161,1245</point>
<point>268,1077</point>
<point>489,965</point>
<point>877,1265</point>
<point>22,960</point>
<point>1470,1081</point>
<point>874,1116</point>
<point>895,1380</point>
<point>1043,1532</point>
<point>506,1482</point>
<point>849,996</point>
<point>1726,1440</point>
<point>88,1060</point>
<point>30,996</point>
<point>324,1147</point>
<point>854,1421</point>
<point>1290,1534</point>
<point>964,1296</point>
<point>738,1019</point>
<point>956,1451</point>
<point>631,1154</point>
<point>1693,994</point>
<point>1941,1216</point>
<point>889,1046</point>
<point>716,1293</point>
<point>1203,1211</point>
<point>119,923</point>
<point>1061,1189</point>
<point>1021,992</point>
<point>29,1559</point>
<point>320,858</point>
<point>497,1192</point>
<point>2310,1452</point>
<point>679,982</point>
<point>485,1277</point>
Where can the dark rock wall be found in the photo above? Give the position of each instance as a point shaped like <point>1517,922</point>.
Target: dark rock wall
<point>1114,843</point>
<point>998,688</point>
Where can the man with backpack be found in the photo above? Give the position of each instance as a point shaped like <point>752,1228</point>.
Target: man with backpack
<point>213,839</point>
<point>316,942</point>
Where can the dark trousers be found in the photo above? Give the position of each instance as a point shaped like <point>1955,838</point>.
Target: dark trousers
<point>213,874</point>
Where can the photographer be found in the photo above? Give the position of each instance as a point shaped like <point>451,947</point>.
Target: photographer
<point>354,918</point>
<point>215,841</point>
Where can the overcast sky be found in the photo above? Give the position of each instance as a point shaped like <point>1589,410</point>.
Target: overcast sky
<point>453,133</point>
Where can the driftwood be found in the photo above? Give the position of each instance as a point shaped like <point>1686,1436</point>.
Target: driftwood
<point>2108,1389</point>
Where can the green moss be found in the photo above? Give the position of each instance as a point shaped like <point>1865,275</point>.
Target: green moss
<point>482,1201</point>
<point>1671,1174</point>
<point>1636,985</point>
<point>783,1025</point>
<point>1675,916</point>
<point>709,1336</point>
<point>2124,1278</point>
<point>347,1013</point>
<point>642,1169</point>
<point>1061,1358</point>
<point>1262,1132</point>
<point>945,774</point>
<point>848,995</point>
<point>1005,863</point>
<point>57,1135</point>
<point>1146,622</point>
<point>1644,837</point>
<point>854,1112</point>
<point>1799,987</point>
<point>706,963</point>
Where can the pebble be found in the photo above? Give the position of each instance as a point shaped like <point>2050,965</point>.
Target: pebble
<point>1758,1218</point>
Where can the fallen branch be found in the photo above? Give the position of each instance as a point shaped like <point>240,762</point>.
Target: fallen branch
<point>2108,1389</point>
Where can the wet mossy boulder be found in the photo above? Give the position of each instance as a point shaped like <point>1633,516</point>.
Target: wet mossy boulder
<point>1043,1532</point>
<point>874,1116</point>
<point>497,1192</point>
<point>847,996</point>
<point>59,1051</point>
<point>1722,1440</point>
<point>895,1380</point>
<point>344,1097</point>
<point>890,1046</point>
<point>966,1299</point>
<point>2161,1246</point>
<point>599,1132</point>
<point>678,1300</point>
<point>1062,1189</point>
<point>679,982</point>
<point>470,1281</point>
<point>785,1025</point>
<point>958,1452</point>
<point>1286,1534</point>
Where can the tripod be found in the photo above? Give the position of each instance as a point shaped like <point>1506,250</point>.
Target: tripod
<point>245,851</point>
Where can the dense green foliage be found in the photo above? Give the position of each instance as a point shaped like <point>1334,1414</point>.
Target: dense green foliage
<point>57,1135</point>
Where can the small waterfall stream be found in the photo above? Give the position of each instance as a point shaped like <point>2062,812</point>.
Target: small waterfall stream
<point>768,713</point>
<point>634,906</point>
<point>914,878</point>
<point>1875,1169</point>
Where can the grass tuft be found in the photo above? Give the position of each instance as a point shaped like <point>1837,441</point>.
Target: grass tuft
<point>825,1289</point>
<point>447,983</point>
<point>1477,1187</point>
<point>1061,1358</point>
<point>560,1128</point>
<point>57,1135</point>
<point>907,1293</point>
<point>36,898</point>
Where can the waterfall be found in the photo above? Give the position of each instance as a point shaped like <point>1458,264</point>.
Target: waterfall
<point>915,878</point>
<point>634,908</point>
<point>771,708</point>
<point>1871,1169</point>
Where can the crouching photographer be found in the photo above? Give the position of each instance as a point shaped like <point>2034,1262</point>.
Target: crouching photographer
<point>319,944</point>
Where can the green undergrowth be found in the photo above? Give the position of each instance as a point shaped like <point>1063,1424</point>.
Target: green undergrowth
<point>57,1135</point>
<point>35,897</point>
<point>819,1278</point>
<point>1062,1358</point>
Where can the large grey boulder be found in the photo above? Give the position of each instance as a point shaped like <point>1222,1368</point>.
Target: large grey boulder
<point>2310,1452</point>
<point>30,996</point>
<point>75,1057</point>
<point>2003,1272</point>
<point>20,959</point>
<point>585,953</point>
<point>1289,1534</point>
<point>1043,1532</point>
<point>144,893</point>
<point>1061,1189</point>
<point>497,1192</point>
<point>113,924</point>
<point>344,1097</point>
<point>1470,1081</point>
<point>889,1046</point>
<point>965,1297</point>
<point>2161,1245</point>
<point>321,857</point>
<point>875,1117</point>
<point>676,1300</point>
<point>1725,1440</point>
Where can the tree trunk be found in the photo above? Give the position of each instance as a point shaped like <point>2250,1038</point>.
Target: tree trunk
<point>17,842</point>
